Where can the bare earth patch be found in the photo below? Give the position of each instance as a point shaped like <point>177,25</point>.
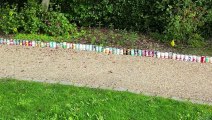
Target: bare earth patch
<point>162,77</point>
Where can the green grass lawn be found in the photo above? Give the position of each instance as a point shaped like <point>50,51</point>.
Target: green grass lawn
<point>31,100</point>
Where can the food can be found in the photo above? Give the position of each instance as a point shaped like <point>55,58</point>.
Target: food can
<point>162,55</point>
<point>30,43</point>
<point>27,43</point>
<point>136,52</point>
<point>166,55</point>
<point>107,50</point>
<point>80,47</point>
<point>5,41</point>
<point>143,52</point>
<point>128,51</point>
<point>8,42</point>
<point>174,55</point>
<point>147,53</point>
<point>124,51</point>
<point>86,47</point>
<point>117,51</point>
<point>110,50</point>
<point>139,52</point>
<point>68,45</point>
<point>132,52</point>
<point>194,58</point>
<point>100,48</point>
<point>39,43</point>
<point>155,54</point>
<point>47,44</point>
<point>207,59</point>
<point>202,59</point>
<point>33,43</point>
<point>158,54</point>
<point>1,40</point>
<point>121,51</point>
<point>170,55</point>
<point>73,46</point>
<point>90,48</point>
<point>14,42</point>
<point>64,45</point>
<point>24,42</point>
<point>178,56</point>
<point>114,51</point>
<point>190,58</point>
<point>11,42</point>
<point>198,59</point>
<point>42,44</point>
<point>210,59</point>
<point>182,57</point>
<point>51,44</point>
<point>186,58</point>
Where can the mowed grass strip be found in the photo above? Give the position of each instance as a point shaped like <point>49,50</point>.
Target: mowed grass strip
<point>32,100</point>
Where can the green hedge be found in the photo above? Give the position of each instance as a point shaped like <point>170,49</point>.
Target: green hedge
<point>186,21</point>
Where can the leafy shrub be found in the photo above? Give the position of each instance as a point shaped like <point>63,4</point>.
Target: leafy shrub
<point>9,19</point>
<point>55,23</point>
<point>30,18</point>
<point>184,25</point>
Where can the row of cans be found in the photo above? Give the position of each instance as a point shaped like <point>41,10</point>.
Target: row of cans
<point>109,50</point>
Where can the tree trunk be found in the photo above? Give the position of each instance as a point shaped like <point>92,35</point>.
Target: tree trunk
<point>45,5</point>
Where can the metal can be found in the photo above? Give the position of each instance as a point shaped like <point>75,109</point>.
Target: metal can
<point>39,43</point>
<point>158,54</point>
<point>147,53</point>
<point>136,52</point>
<point>207,59</point>
<point>117,51</point>
<point>11,42</point>
<point>202,59</point>
<point>198,59</point>
<point>125,51</point>
<point>139,52</point>
<point>107,50</point>
<point>170,55</point>
<point>166,55</point>
<point>47,44</point>
<point>24,42</point>
<point>190,58</point>
<point>1,40</point>
<point>194,58</point>
<point>174,55</point>
<point>30,43</point>
<point>27,43</point>
<point>155,54</point>
<point>68,45</point>
<point>143,52</point>
<point>114,51</point>
<point>186,58</point>
<point>64,45</point>
<point>121,51</point>
<point>110,50</point>
<point>182,57</point>
<point>100,48</point>
<point>5,41</point>
<point>33,43</point>
<point>128,51</point>
<point>42,44</point>
<point>8,42</point>
<point>210,59</point>
<point>162,55</point>
<point>132,52</point>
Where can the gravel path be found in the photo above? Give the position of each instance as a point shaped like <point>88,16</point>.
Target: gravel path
<point>162,77</point>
